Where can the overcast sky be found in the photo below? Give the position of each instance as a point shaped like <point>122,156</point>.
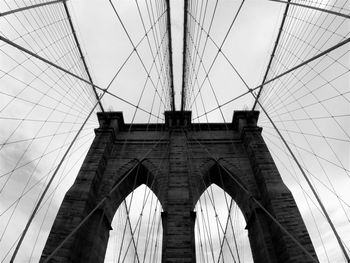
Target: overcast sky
<point>248,46</point>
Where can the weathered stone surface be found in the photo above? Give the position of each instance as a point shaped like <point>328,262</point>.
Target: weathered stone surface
<point>178,161</point>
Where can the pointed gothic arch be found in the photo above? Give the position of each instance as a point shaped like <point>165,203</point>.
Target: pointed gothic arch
<point>228,177</point>
<point>220,228</point>
<point>90,242</point>
<point>267,240</point>
<point>132,174</point>
<point>136,233</point>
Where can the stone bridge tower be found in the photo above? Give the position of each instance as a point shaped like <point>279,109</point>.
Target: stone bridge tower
<point>178,160</point>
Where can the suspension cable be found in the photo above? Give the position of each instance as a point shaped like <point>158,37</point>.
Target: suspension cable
<point>184,57</point>
<point>170,54</point>
<point>274,50</point>
<point>81,53</point>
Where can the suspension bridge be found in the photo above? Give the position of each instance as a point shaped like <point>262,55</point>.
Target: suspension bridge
<point>139,97</point>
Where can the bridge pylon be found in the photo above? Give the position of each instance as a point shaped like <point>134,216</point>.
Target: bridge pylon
<point>178,161</point>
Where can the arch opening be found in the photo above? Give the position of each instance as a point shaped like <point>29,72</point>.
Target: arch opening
<point>137,232</point>
<point>220,228</point>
